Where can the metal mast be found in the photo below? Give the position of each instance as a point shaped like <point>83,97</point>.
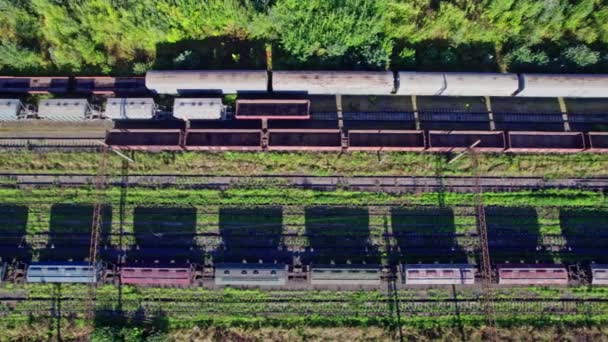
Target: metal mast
<point>485,262</point>
<point>482,232</point>
<point>99,185</point>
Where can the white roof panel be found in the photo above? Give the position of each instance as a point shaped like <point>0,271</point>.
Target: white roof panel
<point>63,109</point>
<point>130,108</point>
<point>551,85</point>
<point>334,82</point>
<point>9,109</point>
<point>250,274</point>
<point>457,84</point>
<point>189,81</point>
<point>480,84</point>
<point>421,83</point>
<point>198,108</point>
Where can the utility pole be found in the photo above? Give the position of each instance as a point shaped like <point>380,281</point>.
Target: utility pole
<point>99,186</point>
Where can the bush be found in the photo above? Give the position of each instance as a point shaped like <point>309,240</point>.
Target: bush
<point>581,56</point>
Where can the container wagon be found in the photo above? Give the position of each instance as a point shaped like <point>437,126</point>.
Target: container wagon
<point>532,274</point>
<point>438,274</point>
<point>345,275</point>
<point>250,274</point>
<point>64,272</point>
<point>599,274</point>
<point>156,274</point>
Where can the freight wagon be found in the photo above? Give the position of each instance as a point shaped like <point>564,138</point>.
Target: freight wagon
<point>64,272</point>
<point>279,275</point>
<point>527,274</point>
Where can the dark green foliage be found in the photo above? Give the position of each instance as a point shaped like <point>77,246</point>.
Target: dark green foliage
<point>132,36</point>
<point>335,32</point>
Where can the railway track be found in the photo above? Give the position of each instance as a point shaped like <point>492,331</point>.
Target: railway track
<point>383,307</point>
<point>365,183</point>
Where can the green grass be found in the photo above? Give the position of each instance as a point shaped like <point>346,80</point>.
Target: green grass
<point>235,307</point>
<point>318,164</point>
<point>280,196</point>
<point>364,215</point>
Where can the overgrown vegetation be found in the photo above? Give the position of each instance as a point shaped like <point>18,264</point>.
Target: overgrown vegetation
<point>317,164</point>
<point>282,196</point>
<point>129,37</point>
<point>235,309</point>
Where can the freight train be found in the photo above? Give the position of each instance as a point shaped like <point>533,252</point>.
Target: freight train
<point>185,82</point>
<point>284,110</point>
<point>313,276</point>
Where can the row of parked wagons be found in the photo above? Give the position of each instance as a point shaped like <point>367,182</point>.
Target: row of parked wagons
<point>254,274</point>
<point>355,140</point>
<point>320,82</point>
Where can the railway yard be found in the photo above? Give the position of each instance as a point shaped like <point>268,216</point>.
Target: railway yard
<point>395,200</point>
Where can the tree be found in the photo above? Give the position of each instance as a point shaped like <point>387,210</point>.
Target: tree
<point>349,30</point>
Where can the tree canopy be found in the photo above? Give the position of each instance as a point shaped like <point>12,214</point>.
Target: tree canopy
<point>132,36</point>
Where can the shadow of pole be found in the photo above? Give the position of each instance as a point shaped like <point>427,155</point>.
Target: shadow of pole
<point>457,315</point>
<point>391,284</point>
<point>56,310</point>
<point>439,170</point>
<point>122,207</point>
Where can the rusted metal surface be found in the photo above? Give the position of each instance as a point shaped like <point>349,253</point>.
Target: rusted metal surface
<point>448,141</point>
<point>224,139</point>
<point>555,142</point>
<point>598,141</point>
<point>530,274</point>
<point>300,140</point>
<point>145,139</point>
<point>273,109</point>
<point>386,140</point>
<point>33,85</point>
<point>105,85</point>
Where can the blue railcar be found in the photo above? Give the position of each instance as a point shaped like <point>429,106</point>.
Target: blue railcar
<point>63,272</point>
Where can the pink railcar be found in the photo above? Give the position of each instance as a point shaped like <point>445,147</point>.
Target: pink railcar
<point>157,275</point>
<point>532,274</point>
